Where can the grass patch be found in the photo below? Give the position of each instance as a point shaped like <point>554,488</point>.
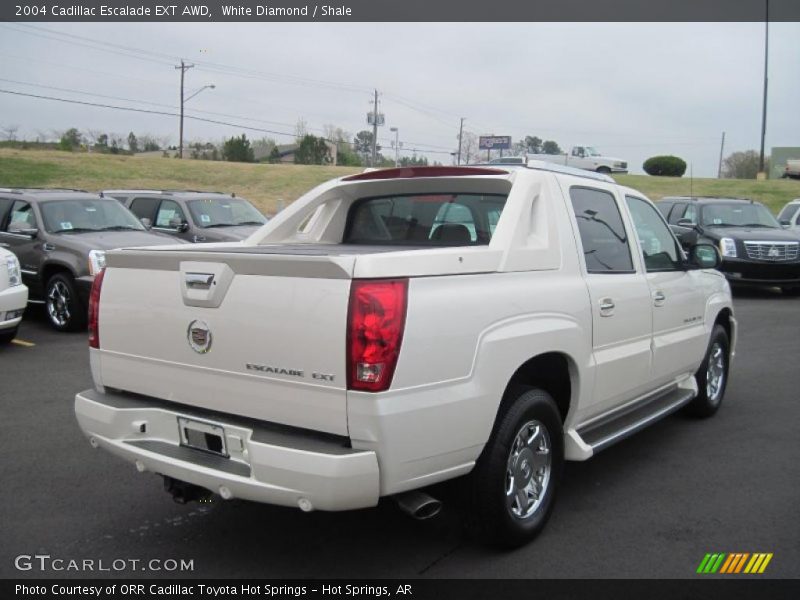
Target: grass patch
<point>270,186</point>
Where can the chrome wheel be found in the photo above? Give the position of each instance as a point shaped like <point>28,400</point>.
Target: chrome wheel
<point>58,302</point>
<point>715,373</point>
<point>528,470</point>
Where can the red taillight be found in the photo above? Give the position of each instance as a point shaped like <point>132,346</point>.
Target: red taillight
<point>94,310</point>
<point>375,323</point>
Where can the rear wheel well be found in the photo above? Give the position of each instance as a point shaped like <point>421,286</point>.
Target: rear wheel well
<point>550,372</point>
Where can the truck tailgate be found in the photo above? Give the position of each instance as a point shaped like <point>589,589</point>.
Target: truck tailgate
<point>252,335</point>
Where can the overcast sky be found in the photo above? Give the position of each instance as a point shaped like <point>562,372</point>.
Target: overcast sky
<point>631,90</point>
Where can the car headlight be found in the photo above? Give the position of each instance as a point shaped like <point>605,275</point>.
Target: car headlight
<point>727,247</point>
<point>12,265</point>
<point>97,261</point>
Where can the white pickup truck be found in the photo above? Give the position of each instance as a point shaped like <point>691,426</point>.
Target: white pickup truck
<point>579,157</point>
<point>398,328</point>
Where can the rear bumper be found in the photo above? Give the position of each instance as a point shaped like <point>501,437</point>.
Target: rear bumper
<point>267,463</point>
<point>12,300</point>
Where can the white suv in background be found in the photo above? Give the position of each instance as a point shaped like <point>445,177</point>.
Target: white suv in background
<point>13,296</point>
<point>790,214</point>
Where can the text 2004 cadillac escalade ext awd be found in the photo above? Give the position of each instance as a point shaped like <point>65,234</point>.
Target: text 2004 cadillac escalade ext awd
<point>398,328</point>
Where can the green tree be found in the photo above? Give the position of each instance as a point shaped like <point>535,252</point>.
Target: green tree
<point>70,140</point>
<point>237,149</point>
<point>312,151</point>
<point>550,147</point>
<point>274,155</point>
<point>362,144</point>
<point>133,143</point>
<point>414,161</point>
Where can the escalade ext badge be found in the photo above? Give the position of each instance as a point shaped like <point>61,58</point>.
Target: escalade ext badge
<point>199,335</point>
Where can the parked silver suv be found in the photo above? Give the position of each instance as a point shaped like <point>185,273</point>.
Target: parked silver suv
<point>60,238</point>
<point>193,216</point>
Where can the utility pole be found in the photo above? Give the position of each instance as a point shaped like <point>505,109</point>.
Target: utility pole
<point>375,130</point>
<point>460,133</point>
<point>721,150</point>
<point>183,67</point>
<point>764,105</point>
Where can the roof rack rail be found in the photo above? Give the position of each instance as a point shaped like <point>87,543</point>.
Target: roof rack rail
<point>543,165</point>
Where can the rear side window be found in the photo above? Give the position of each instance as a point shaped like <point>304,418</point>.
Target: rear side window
<point>788,212</point>
<point>425,219</point>
<point>144,208</point>
<point>604,239</point>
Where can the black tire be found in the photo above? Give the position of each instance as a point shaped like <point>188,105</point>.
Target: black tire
<point>709,397</point>
<point>604,170</point>
<point>7,336</point>
<point>65,311</point>
<point>501,469</point>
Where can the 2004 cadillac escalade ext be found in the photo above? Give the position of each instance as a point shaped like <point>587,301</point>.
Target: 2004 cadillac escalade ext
<point>398,328</point>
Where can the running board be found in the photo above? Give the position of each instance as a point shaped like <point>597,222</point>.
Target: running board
<point>602,434</point>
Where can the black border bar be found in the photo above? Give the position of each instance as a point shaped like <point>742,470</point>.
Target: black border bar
<point>353,11</point>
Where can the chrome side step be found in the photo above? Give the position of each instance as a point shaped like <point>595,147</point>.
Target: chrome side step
<point>603,433</point>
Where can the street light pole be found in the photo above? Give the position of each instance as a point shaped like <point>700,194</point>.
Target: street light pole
<point>396,146</point>
<point>764,105</point>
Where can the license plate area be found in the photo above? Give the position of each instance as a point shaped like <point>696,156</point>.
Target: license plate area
<point>202,435</point>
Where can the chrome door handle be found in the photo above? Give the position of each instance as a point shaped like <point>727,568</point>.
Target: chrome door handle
<point>659,298</point>
<point>606,307</point>
<point>199,281</point>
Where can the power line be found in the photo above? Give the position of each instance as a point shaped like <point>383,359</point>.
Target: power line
<point>194,118</point>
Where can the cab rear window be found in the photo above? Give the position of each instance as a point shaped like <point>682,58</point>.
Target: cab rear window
<point>425,219</point>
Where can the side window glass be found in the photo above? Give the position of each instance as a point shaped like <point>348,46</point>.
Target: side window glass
<point>21,217</point>
<point>170,215</point>
<point>144,208</point>
<point>690,213</point>
<point>658,246</point>
<point>676,214</point>
<point>603,236</point>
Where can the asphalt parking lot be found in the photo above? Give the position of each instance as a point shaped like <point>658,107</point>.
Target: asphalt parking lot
<point>651,506</point>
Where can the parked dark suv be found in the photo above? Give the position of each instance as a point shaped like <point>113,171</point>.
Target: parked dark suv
<point>193,216</point>
<point>60,238</point>
<point>755,249</point>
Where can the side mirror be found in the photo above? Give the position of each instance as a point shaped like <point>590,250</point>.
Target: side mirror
<point>32,232</point>
<point>146,222</point>
<point>688,223</point>
<point>786,222</point>
<point>704,256</point>
<point>183,227</point>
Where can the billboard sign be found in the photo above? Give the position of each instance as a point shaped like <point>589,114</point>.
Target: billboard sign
<point>494,142</point>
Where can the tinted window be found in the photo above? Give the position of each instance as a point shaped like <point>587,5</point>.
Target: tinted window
<point>170,215</point>
<point>144,208</point>
<point>664,207</point>
<point>438,219</point>
<point>690,213</point>
<point>605,242</point>
<point>657,244</point>
<point>5,204</point>
<point>21,217</point>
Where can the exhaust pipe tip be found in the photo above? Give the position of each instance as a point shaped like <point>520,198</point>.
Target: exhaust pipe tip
<point>418,505</point>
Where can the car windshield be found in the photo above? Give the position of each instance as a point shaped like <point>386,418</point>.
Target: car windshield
<point>224,212</point>
<point>425,219</point>
<point>737,215</point>
<point>591,151</point>
<point>76,216</point>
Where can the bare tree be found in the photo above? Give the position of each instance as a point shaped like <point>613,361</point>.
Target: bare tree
<point>741,165</point>
<point>469,148</point>
<point>10,132</point>
<point>300,129</point>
